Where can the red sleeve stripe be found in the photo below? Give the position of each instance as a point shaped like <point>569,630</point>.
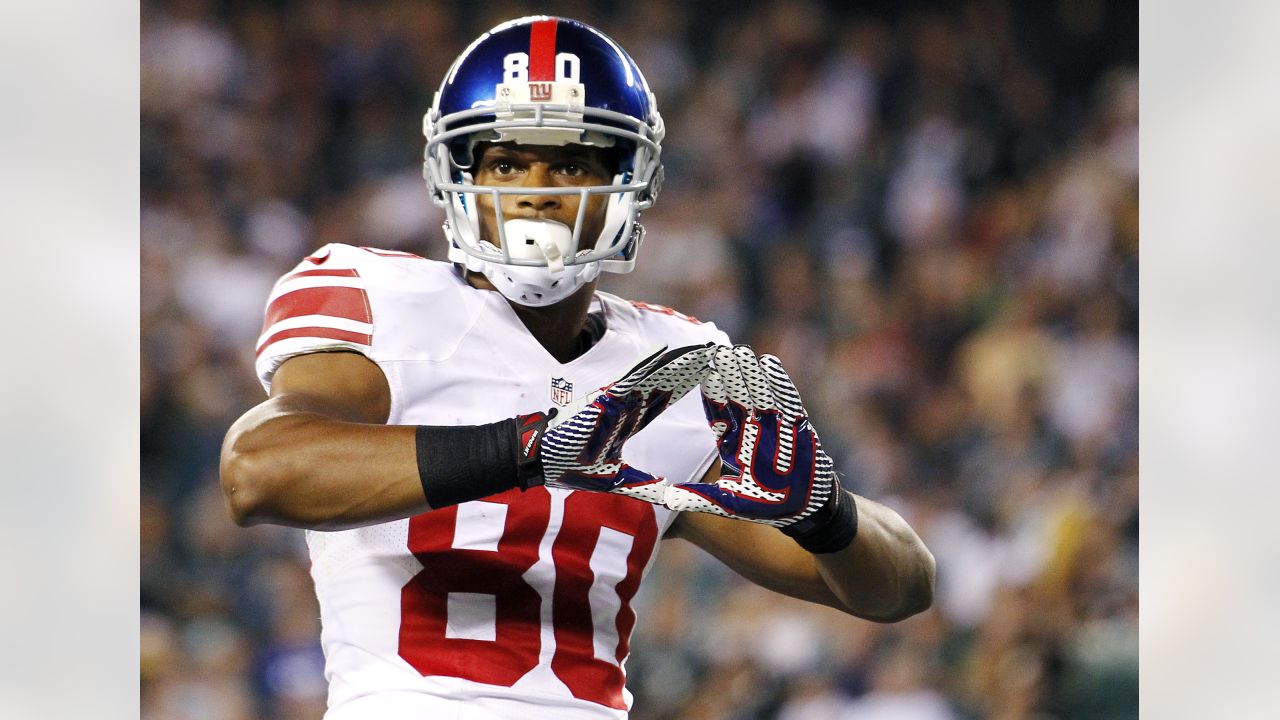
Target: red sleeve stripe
<point>313,322</point>
<point>291,284</point>
<point>321,333</point>
<point>337,302</point>
<point>340,272</point>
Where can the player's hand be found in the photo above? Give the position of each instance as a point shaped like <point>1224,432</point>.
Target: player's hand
<point>582,447</point>
<point>774,469</point>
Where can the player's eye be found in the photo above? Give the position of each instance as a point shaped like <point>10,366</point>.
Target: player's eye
<point>502,167</point>
<point>579,172</point>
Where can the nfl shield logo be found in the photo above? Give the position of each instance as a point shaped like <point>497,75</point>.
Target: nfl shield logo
<point>561,391</point>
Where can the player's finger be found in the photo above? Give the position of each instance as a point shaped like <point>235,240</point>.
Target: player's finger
<point>712,498</point>
<point>713,388</point>
<point>725,364</point>
<point>678,371</point>
<point>714,404</point>
<point>782,387</point>
<point>638,484</point>
<point>636,373</point>
<point>675,374</point>
<point>652,494</point>
<point>696,497</point>
<point>725,399</point>
<point>754,377</point>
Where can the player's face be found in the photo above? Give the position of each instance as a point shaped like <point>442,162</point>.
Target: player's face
<point>571,166</point>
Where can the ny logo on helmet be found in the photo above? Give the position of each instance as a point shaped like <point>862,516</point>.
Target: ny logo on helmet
<point>540,91</point>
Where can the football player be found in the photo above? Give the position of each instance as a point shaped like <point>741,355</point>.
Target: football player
<point>486,452</point>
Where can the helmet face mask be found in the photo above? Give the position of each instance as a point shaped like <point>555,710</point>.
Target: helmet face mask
<point>553,82</point>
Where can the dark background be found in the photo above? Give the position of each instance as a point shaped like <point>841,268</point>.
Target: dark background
<point>928,210</point>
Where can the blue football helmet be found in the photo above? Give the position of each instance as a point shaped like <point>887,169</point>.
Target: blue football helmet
<point>543,81</point>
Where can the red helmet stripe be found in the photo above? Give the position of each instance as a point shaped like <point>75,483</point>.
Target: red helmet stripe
<point>542,50</point>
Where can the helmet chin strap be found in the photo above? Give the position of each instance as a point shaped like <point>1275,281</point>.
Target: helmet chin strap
<point>534,286</point>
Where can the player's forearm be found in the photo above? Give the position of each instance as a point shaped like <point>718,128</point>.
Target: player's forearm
<point>305,469</point>
<point>886,574</point>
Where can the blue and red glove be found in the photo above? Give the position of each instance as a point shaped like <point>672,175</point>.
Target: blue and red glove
<point>774,470</point>
<point>582,446</point>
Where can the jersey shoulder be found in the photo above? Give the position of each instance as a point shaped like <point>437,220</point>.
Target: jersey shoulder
<point>659,323</point>
<point>380,303</point>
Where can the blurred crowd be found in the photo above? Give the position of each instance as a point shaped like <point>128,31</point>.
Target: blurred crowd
<point>929,211</point>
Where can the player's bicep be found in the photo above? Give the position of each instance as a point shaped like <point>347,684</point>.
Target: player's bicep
<point>344,385</point>
<point>757,552</point>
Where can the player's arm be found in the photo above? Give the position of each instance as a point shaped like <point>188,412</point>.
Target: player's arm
<point>317,453</point>
<point>886,573</point>
<point>773,508</point>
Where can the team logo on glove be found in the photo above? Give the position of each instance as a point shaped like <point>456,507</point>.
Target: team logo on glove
<point>582,448</point>
<point>774,469</point>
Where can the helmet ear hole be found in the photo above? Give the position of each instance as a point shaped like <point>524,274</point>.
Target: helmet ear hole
<point>621,158</point>
<point>460,154</point>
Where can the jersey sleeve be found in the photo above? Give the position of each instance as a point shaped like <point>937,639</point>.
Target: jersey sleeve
<point>321,305</point>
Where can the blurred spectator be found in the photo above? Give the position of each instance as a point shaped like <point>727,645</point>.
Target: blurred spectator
<point>930,212</point>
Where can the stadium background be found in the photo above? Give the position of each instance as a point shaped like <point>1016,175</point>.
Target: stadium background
<point>928,210</point>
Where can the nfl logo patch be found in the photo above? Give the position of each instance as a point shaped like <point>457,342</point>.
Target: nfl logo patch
<point>561,391</point>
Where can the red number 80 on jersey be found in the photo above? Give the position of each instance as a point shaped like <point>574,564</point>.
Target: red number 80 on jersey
<point>475,610</point>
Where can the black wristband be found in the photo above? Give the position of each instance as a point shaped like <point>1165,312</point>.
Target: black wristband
<point>830,528</point>
<point>469,462</point>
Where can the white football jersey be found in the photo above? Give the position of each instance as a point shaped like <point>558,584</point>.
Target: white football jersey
<point>515,606</point>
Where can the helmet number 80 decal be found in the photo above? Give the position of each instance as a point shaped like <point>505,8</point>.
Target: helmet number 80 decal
<point>515,67</point>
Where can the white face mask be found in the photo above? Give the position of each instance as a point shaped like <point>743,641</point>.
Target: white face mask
<point>534,286</point>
